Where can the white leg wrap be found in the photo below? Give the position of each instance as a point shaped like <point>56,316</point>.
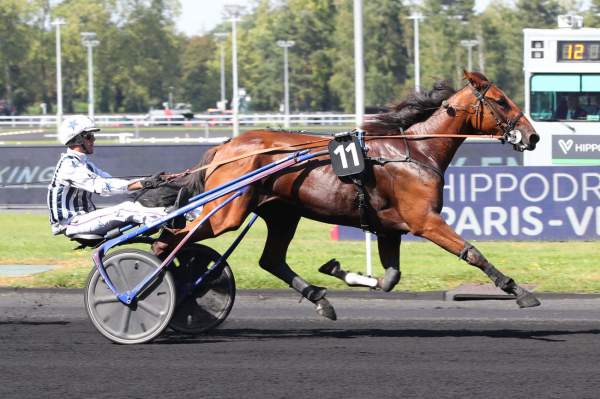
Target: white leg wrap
<point>357,279</point>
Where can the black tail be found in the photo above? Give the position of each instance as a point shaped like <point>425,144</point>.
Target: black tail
<point>198,180</point>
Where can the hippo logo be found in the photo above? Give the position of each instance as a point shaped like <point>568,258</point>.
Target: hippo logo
<point>565,145</point>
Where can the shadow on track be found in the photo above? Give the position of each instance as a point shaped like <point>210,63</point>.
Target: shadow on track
<point>34,323</point>
<point>172,338</point>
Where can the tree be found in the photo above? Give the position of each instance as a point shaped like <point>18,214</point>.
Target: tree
<point>592,16</point>
<point>147,55</point>
<point>538,13</point>
<point>15,42</point>
<point>83,16</point>
<point>501,30</point>
<point>202,82</point>
<point>446,23</point>
<point>261,60</point>
<point>385,53</point>
<point>310,24</point>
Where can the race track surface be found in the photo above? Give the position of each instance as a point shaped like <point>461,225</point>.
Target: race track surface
<point>406,346</point>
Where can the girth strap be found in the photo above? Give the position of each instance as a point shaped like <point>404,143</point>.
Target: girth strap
<point>363,203</point>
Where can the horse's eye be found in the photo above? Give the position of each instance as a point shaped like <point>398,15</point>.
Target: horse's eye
<point>502,102</point>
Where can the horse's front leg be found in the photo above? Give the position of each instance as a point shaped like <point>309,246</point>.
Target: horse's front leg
<point>435,229</point>
<point>389,255</point>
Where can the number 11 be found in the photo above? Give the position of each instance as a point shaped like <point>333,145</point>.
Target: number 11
<point>350,148</point>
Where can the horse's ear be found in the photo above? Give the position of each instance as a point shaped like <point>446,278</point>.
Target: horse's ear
<point>474,78</point>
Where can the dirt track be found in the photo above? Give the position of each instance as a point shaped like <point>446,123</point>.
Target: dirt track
<point>273,347</point>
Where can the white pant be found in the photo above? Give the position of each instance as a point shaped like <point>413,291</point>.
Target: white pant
<point>101,221</point>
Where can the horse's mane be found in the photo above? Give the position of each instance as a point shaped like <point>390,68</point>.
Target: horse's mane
<point>416,108</point>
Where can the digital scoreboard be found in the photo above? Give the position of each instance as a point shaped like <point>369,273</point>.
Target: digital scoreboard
<point>578,51</point>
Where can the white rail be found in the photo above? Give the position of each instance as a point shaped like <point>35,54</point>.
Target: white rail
<point>199,120</point>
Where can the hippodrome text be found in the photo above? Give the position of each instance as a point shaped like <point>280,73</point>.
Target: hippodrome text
<point>523,203</point>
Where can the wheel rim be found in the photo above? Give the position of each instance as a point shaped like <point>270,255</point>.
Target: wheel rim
<point>209,305</point>
<point>146,317</point>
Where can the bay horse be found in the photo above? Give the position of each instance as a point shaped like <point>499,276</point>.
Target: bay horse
<point>408,150</point>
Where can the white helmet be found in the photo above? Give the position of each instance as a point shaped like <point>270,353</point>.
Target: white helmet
<point>73,126</point>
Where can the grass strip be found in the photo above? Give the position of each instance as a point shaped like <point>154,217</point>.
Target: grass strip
<point>572,266</point>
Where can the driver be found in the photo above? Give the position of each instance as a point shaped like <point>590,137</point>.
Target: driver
<point>76,178</point>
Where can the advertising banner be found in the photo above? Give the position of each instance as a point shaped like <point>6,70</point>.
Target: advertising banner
<point>486,153</point>
<point>26,171</point>
<point>525,203</point>
<point>576,149</point>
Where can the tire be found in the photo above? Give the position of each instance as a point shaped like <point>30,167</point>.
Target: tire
<point>146,317</point>
<point>206,307</point>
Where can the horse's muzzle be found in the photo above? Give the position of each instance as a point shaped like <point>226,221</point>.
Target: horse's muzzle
<point>534,138</point>
<point>521,142</point>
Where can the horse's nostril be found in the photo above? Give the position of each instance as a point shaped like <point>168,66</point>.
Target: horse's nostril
<point>534,138</point>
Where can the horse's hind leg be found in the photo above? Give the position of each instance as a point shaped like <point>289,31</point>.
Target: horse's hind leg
<point>436,230</point>
<point>227,219</point>
<point>281,224</point>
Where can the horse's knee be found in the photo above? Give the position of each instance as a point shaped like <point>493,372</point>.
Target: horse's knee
<point>472,256</point>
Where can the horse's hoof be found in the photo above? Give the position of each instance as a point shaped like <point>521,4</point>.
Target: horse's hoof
<point>527,300</point>
<point>314,293</point>
<point>331,268</point>
<point>390,279</point>
<point>325,309</point>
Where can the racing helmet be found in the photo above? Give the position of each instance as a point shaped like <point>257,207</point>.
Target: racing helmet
<point>74,126</point>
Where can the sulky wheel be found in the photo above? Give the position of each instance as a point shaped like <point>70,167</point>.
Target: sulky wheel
<point>210,303</point>
<point>147,316</point>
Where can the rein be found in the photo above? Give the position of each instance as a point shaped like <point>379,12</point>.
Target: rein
<point>291,147</point>
<point>318,144</point>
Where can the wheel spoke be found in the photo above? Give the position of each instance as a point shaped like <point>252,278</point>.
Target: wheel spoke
<point>202,308</point>
<point>150,309</point>
<point>125,319</point>
<point>105,299</point>
<point>122,276</point>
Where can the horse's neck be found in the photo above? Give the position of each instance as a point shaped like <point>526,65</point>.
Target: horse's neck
<point>439,150</point>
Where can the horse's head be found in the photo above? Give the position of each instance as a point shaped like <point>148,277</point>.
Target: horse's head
<point>495,113</point>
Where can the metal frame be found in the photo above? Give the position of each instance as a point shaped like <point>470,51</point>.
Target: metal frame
<point>237,186</point>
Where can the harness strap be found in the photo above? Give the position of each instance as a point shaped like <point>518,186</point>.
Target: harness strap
<point>382,161</point>
<point>363,203</point>
<point>431,136</point>
<point>215,165</point>
<point>405,158</point>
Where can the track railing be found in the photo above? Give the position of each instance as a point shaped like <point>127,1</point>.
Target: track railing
<point>198,120</point>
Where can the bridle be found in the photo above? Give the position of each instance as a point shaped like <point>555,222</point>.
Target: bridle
<point>509,133</point>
